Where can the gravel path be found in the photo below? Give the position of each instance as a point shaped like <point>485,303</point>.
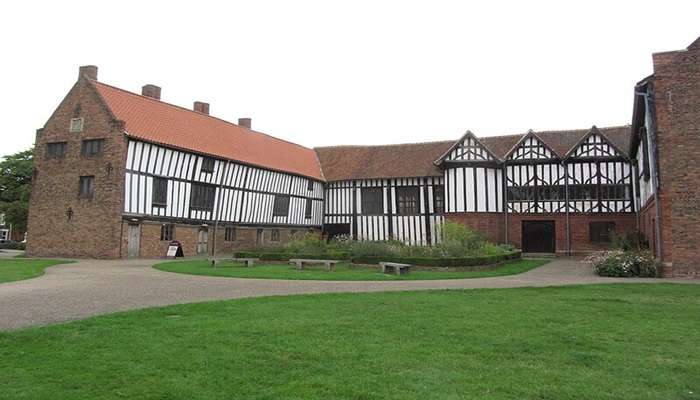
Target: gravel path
<point>93,287</point>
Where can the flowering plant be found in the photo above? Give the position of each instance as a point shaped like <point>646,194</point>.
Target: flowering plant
<point>622,263</point>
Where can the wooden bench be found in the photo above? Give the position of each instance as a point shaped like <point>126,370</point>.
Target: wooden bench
<point>249,262</point>
<point>397,268</point>
<point>299,262</point>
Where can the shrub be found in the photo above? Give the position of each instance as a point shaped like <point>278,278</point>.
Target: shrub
<point>13,246</point>
<point>374,249</point>
<point>630,241</point>
<point>460,241</point>
<point>618,263</point>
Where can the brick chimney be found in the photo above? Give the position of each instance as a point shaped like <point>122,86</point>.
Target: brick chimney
<point>245,122</point>
<point>201,107</point>
<point>88,71</point>
<point>151,91</point>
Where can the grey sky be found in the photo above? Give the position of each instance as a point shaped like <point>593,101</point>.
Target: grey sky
<point>328,73</point>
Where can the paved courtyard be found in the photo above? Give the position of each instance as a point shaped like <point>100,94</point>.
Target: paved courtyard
<point>93,287</point>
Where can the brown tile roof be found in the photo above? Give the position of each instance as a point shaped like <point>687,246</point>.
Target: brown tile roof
<point>159,122</point>
<point>416,159</point>
<point>559,141</point>
<point>386,161</point>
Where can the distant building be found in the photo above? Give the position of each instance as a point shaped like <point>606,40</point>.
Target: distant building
<point>120,174</point>
<point>4,229</point>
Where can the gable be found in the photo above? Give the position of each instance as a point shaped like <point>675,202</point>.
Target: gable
<point>469,149</point>
<point>594,145</point>
<point>531,147</point>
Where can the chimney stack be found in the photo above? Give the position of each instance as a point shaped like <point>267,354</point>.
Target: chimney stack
<point>201,107</point>
<point>88,71</point>
<point>151,91</point>
<point>245,122</point>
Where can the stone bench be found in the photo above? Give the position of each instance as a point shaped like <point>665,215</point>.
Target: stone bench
<point>249,262</point>
<point>397,268</point>
<point>300,262</point>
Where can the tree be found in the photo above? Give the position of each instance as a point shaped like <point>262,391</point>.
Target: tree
<point>15,185</point>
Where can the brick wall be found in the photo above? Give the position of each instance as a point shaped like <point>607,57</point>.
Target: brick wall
<point>150,245</point>
<point>677,100</point>
<point>492,225</point>
<point>579,225</point>
<point>93,229</point>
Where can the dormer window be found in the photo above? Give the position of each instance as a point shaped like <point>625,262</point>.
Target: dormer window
<point>76,125</point>
<point>207,164</point>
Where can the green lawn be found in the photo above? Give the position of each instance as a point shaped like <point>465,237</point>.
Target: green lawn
<point>342,272</point>
<point>16,269</point>
<point>623,341</point>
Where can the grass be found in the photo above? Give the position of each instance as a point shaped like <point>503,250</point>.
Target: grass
<point>341,272</point>
<point>623,341</point>
<point>17,269</point>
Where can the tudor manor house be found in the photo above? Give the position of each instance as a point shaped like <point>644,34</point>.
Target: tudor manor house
<point>122,174</point>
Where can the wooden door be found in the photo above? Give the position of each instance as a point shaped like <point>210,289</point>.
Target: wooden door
<point>134,240</point>
<point>538,237</point>
<point>203,241</point>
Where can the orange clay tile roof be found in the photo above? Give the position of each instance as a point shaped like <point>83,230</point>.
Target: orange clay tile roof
<point>162,123</point>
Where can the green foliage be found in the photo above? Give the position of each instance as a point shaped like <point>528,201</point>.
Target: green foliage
<point>13,246</point>
<point>15,185</point>
<point>460,241</point>
<point>440,261</point>
<point>618,263</point>
<point>630,241</point>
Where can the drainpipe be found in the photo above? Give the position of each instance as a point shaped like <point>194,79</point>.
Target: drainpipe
<point>217,212</point>
<point>649,104</point>
<point>568,220</point>
<point>505,201</point>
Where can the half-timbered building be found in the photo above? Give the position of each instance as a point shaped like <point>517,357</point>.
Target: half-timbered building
<point>123,174</point>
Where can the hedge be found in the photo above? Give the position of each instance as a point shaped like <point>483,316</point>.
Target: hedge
<point>422,261</point>
<point>13,246</point>
<point>277,256</point>
<point>441,261</point>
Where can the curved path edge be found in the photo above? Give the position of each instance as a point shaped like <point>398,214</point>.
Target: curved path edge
<point>69,292</point>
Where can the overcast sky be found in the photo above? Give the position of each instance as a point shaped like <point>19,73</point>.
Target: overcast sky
<point>330,73</point>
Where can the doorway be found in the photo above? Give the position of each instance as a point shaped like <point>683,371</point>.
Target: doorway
<point>539,237</point>
<point>134,240</point>
<point>203,241</point>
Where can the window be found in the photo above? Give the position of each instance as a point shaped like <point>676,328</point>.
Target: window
<point>76,125</point>
<point>408,200</point>
<point>56,150</point>
<point>92,147</point>
<point>86,187</point>
<point>646,170</point>
<point>551,193</point>
<point>275,235</point>
<point>372,201</point>
<point>307,212</point>
<point>601,232</point>
<point>160,192</point>
<point>439,199</point>
<point>167,232</point>
<point>281,206</point>
<point>614,192</point>
<point>202,197</point>
<point>310,185</point>
<point>521,193</point>
<point>207,164</point>
<point>259,237</point>
<point>230,234</point>
<point>583,192</point>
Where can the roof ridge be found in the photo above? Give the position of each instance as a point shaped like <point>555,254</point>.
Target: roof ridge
<point>380,145</point>
<point>196,112</point>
